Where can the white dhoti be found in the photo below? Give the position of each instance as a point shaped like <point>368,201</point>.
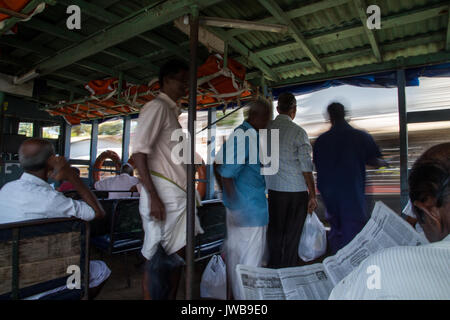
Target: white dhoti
<point>244,245</point>
<point>172,231</point>
<point>98,273</point>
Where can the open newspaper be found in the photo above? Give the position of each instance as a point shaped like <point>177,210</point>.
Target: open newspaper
<point>315,282</point>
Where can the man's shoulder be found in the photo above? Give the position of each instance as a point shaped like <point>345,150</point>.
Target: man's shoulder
<point>299,129</point>
<point>322,138</point>
<point>155,104</point>
<point>359,132</point>
<point>11,184</point>
<point>401,254</point>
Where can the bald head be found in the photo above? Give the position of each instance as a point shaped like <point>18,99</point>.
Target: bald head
<point>260,113</point>
<point>34,153</point>
<point>128,169</point>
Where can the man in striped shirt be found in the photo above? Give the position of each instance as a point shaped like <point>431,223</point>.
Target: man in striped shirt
<point>421,272</point>
<point>289,200</point>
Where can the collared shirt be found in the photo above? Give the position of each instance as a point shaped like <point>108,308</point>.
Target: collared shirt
<point>122,182</point>
<point>242,164</point>
<point>33,198</point>
<point>340,156</point>
<point>295,156</point>
<point>405,273</point>
<point>157,121</point>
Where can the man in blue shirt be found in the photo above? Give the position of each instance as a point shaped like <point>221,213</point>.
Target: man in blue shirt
<point>238,172</point>
<point>340,156</point>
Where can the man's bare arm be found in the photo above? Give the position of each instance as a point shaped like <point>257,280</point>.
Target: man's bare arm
<point>157,209</point>
<point>226,184</point>
<point>312,202</point>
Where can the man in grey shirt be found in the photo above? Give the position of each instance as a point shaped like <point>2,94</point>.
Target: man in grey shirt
<point>291,191</point>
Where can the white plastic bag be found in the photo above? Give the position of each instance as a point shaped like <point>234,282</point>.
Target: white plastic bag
<point>214,280</point>
<point>313,242</point>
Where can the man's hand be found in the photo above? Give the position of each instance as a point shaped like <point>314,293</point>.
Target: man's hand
<point>157,209</point>
<point>60,168</point>
<point>312,204</point>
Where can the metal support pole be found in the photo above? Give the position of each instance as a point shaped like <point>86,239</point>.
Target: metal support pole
<point>37,133</point>
<point>264,87</point>
<point>225,55</point>
<point>93,151</point>
<point>67,134</point>
<point>190,221</point>
<point>2,124</point>
<point>126,138</point>
<point>211,153</point>
<point>403,125</point>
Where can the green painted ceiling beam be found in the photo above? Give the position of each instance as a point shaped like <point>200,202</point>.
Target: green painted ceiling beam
<point>111,18</point>
<point>45,52</point>
<point>10,60</point>
<point>43,38</point>
<point>158,54</point>
<point>355,53</point>
<point>29,8</point>
<point>282,17</point>
<point>399,63</point>
<point>93,10</point>
<point>72,76</point>
<point>25,45</point>
<point>63,86</point>
<point>146,19</point>
<point>112,72</point>
<point>245,52</point>
<point>360,7</point>
<point>410,16</point>
<point>296,13</point>
<point>65,34</point>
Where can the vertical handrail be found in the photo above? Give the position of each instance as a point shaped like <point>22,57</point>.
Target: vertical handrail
<point>403,133</point>
<point>190,221</point>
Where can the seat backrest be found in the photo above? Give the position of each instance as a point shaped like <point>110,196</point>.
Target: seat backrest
<point>212,215</point>
<point>127,220</point>
<point>35,256</point>
<point>101,227</point>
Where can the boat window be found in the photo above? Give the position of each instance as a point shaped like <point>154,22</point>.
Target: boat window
<point>110,136</point>
<point>26,128</point>
<point>52,132</point>
<point>80,141</point>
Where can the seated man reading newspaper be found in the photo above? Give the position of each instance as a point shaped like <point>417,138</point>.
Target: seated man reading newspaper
<point>386,260</point>
<point>412,272</point>
<point>315,282</point>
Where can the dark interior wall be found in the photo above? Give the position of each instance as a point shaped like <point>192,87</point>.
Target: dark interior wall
<point>19,109</point>
<point>16,110</point>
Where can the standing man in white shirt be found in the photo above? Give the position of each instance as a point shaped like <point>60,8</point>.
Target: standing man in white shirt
<point>125,181</point>
<point>421,272</point>
<point>292,193</point>
<point>163,196</point>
